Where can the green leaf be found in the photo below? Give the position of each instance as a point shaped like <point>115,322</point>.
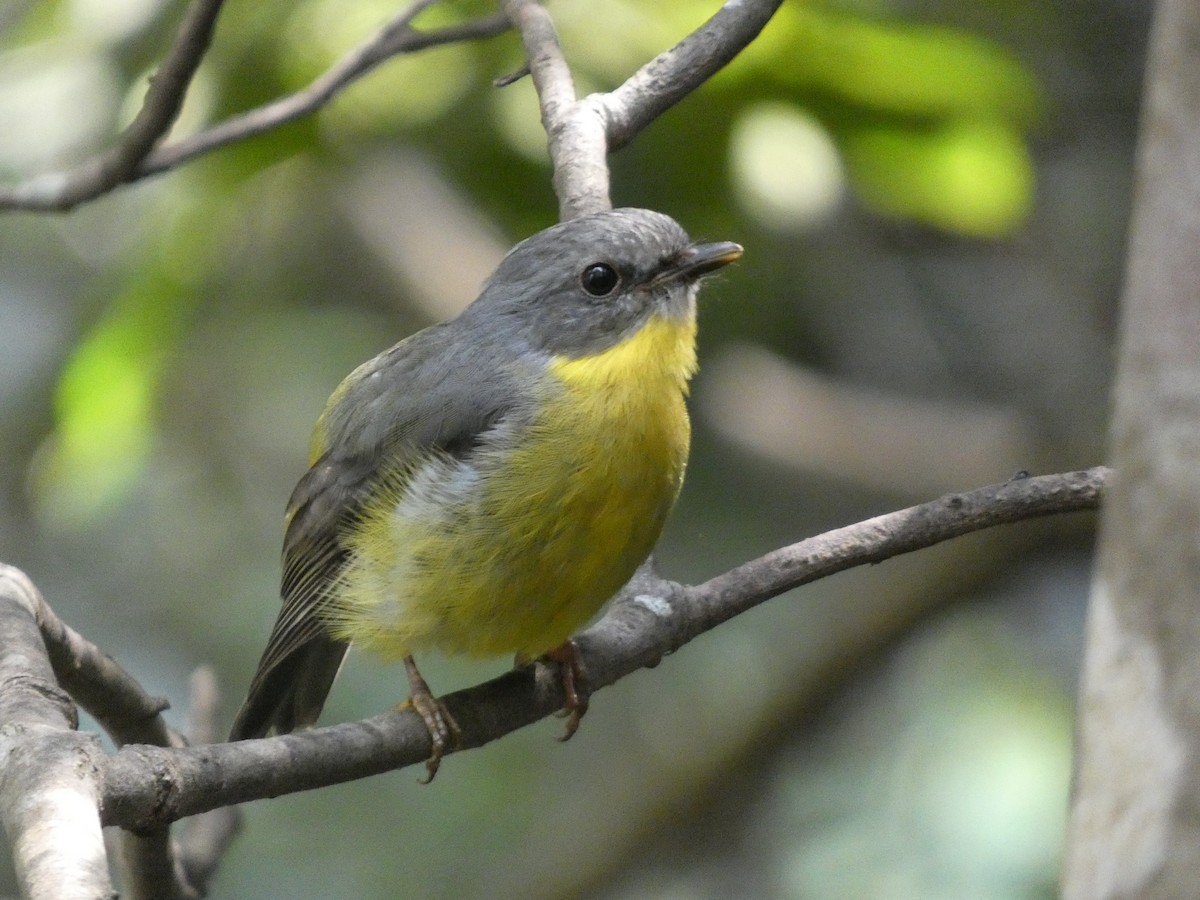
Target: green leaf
<point>973,177</point>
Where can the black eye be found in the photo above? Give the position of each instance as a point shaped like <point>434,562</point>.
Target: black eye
<point>599,279</point>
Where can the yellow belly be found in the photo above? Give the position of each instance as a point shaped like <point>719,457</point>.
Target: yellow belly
<point>516,551</point>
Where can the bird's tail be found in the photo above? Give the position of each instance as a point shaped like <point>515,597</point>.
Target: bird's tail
<point>290,692</point>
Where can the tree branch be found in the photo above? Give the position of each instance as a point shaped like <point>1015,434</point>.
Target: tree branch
<point>145,786</point>
<point>395,38</point>
<point>152,865</point>
<point>156,866</point>
<point>206,837</point>
<point>580,133</point>
<point>672,75</point>
<point>893,534</point>
<point>49,773</point>
<point>164,98</point>
<point>1133,830</point>
<point>98,683</point>
<point>135,156</point>
<point>574,132</point>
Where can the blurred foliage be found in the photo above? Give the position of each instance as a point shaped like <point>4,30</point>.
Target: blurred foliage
<point>929,121</point>
<point>167,348</point>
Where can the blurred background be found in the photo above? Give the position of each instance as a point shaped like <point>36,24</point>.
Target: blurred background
<point>933,196</point>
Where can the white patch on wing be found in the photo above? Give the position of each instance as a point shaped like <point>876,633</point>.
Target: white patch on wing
<point>443,495</point>
<point>436,493</point>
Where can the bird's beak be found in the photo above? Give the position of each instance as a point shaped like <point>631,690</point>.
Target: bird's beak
<point>697,260</point>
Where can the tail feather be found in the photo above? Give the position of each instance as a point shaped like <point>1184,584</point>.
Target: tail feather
<point>291,693</point>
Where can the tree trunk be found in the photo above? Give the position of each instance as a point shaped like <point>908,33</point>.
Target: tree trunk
<point>1135,817</point>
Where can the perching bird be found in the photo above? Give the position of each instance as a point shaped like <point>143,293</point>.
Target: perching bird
<point>485,485</point>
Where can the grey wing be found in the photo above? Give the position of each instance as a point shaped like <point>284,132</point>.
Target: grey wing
<point>423,394</point>
<point>301,659</point>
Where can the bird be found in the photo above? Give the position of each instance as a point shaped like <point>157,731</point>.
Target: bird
<point>485,485</point>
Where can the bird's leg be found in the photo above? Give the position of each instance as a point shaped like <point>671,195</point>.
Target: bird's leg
<point>574,683</point>
<point>443,730</point>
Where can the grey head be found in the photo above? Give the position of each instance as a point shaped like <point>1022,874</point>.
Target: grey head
<point>582,287</point>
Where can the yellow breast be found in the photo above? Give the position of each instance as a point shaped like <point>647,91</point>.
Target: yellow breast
<point>516,550</point>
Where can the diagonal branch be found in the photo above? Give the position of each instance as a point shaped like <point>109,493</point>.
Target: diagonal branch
<point>145,786</point>
<point>672,75</point>
<point>395,38</point>
<point>135,155</point>
<point>100,685</point>
<point>1023,497</point>
<point>164,98</point>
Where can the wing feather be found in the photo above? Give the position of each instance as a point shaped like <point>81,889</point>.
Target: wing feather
<point>421,396</point>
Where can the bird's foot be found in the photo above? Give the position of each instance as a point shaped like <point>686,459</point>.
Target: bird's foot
<point>444,733</point>
<point>574,683</point>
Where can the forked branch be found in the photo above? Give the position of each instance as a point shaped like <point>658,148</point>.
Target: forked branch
<point>581,133</point>
<point>146,787</point>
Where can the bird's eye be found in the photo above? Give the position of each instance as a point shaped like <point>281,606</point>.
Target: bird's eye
<point>599,279</point>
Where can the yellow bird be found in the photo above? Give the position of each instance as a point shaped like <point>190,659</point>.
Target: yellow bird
<point>485,485</point>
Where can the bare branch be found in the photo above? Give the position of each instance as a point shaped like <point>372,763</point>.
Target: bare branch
<point>164,98</point>
<point>132,159</point>
<point>151,865</point>
<point>41,750</point>
<point>49,773</point>
<point>395,38</point>
<point>206,837</point>
<point>156,865</point>
<point>145,786</point>
<point>581,133</point>
<point>102,687</point>
<point>574,132</point>
<point>672,75</point>
<point>889,535</point>
<point>204,700</point>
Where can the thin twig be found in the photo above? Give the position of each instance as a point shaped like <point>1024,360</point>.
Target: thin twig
<point>393,39</point>
<point>741,588</point>
<point>98,683</point>
<point>164,98</point>
<point>574,132</point>
<point>145,786</point>
<point>672,75</point>
<point>580,133</point>
<point>206,837</point>
<point>64,190</point>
